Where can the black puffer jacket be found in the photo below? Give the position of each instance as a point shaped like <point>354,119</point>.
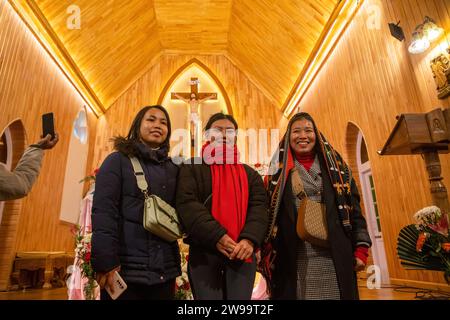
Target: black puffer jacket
<point>194,200</point>
<point>119,237</point>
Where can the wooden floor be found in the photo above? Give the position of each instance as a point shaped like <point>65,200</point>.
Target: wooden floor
<point>398,293</point>
<point>35,294</point>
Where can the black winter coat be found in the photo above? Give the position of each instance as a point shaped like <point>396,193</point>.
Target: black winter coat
<point>342,244</point>
<point>119,237</point>
<point>194,200</point>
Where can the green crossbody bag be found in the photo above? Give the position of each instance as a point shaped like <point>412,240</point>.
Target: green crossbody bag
<point>160,218</point>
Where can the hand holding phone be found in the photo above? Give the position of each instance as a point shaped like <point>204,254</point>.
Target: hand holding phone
<point>119,286</point>
<point>49,137</point>
<point>47,143</point>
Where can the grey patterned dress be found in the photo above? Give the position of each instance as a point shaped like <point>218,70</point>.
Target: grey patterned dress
<point>316,275</point>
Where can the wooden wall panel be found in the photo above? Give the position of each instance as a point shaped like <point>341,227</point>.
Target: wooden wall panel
<point>31,84</point>
<point>250,107</point>
<point>369,79</point>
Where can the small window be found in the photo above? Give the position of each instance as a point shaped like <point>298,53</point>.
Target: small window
<point>375,204</point>
<point>80,127</point>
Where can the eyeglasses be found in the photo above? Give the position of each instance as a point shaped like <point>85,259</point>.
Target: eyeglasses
<point>227,131</point>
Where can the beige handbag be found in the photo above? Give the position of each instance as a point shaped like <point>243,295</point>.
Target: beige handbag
<point>311,215</point>
<point>160,218</point>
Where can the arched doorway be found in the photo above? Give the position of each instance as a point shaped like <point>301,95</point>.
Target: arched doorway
<point>370,200</point>
<point>14,142</point>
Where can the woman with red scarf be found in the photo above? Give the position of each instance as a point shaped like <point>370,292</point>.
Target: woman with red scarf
<point>222,204</point>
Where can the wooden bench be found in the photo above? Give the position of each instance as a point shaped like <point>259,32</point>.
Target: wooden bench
<point>40,269</point>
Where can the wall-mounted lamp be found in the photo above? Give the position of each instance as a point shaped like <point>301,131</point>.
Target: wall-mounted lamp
<point>431,30</point>
<point>423,34</point>
<point>419,42</point>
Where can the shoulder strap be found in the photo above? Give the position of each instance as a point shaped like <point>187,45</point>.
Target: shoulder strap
<point>297,184</point>
<point>139,174</point>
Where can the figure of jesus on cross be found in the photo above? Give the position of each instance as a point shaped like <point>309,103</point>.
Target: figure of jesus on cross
<point>194,99</point>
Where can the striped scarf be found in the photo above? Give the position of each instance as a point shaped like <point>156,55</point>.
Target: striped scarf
<point>281,165</point>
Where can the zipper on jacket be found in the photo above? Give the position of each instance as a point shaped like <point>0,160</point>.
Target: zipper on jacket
<point>209,197</point>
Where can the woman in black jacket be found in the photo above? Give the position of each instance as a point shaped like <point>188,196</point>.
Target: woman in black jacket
<point>315,258</point>
<point>148,264</point>
<point>222,205</point>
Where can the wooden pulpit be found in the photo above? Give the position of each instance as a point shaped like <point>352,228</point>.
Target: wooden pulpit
<point>427,134</point>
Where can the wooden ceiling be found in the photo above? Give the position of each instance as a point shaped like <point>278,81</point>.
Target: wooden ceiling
<point>194,25</point>
<point>269,40</point>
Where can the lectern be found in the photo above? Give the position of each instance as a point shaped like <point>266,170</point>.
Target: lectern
<point>427,134</point>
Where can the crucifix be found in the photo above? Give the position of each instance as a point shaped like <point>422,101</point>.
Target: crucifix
<point>193,99</point>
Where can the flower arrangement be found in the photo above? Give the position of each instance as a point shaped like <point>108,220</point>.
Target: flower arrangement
<point>83,253</point>
<point>425,245</point>
<point>262,169</point>
<point>182,286</point>
<point>83,235</point>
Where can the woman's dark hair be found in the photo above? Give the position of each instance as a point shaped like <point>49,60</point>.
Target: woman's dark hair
<point>134,132</point>
<point>302,115</point>
<point>220,116</point>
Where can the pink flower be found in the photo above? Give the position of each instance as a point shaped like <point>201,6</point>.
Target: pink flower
<point>442,226</point>
<point>74,229</point>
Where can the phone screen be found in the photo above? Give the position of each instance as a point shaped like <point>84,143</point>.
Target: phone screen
<point>48,126</point>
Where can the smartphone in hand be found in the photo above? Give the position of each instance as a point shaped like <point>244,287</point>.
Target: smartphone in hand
<point>48,126</point>
<point>119,286</point>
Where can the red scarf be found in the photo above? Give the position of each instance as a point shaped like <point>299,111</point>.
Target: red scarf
<point>306,160</point>
<point>229,187</point>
